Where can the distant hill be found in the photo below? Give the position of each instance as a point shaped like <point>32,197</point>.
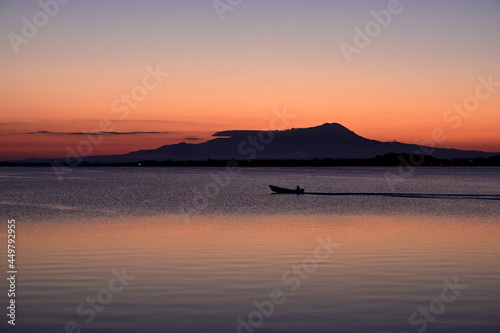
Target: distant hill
<point>329,140</point>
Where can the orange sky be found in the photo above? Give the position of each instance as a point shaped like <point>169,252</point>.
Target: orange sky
<point>231,74</point>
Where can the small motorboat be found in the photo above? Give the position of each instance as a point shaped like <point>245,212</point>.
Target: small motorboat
<point>278,189</point>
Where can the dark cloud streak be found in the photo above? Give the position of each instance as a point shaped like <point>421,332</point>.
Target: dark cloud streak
<point>96,133</point>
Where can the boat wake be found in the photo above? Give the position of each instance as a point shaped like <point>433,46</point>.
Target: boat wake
<point>416,195</point>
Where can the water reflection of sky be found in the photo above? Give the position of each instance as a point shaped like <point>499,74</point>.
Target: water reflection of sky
<point>201,277</point>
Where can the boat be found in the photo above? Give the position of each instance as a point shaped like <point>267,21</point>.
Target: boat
<point>278,189</point>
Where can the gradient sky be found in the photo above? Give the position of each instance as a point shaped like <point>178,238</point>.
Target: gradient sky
<point>231,73</point>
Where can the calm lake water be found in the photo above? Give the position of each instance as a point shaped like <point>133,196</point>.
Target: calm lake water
<point>200,250</point>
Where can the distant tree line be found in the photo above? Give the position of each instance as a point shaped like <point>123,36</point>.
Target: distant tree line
<point>380,160</point>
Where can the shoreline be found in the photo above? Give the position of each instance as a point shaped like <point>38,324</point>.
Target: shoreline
<point>380,161</point>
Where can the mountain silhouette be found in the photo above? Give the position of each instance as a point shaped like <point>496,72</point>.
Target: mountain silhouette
<point>330,140</point>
